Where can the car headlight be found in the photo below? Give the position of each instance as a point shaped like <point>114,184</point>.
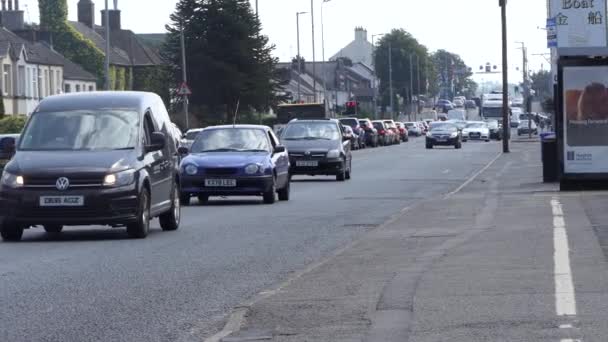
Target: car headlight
<point>191,169</point>
<point>333,154</point>
<point>122,178</point>
<point>11,180</point>
<point>454,135</point>
<point>252,169</point>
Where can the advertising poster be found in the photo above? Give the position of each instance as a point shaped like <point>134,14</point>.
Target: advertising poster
<point>585,119</point>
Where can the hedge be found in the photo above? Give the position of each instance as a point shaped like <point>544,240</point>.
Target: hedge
<point>12,124</point>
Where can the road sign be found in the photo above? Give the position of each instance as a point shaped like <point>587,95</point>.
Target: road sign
<point>551,33</point>
<point>184,90</point>
<point>580,23</point>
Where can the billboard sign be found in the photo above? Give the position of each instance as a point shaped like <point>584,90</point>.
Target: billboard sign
<point>585,119</point>
<point>551,33</point>
<point>580,23</point>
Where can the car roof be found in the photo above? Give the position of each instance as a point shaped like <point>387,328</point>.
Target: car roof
<point>265,128</point>
<point>97,100</point>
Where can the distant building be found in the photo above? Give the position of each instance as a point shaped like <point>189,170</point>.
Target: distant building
<point>359,50</point>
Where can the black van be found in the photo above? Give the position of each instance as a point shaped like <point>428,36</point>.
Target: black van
<point>98,158</point>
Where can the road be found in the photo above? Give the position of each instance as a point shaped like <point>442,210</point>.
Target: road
<point>94,284</point>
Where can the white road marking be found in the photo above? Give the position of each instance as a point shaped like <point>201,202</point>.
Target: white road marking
<point>446,171</point>
<point>566,326</point>
<point>473,177</point>
<point>565,300</point>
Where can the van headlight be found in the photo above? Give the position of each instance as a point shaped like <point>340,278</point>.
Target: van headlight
<point>118,179</point>
<point>252,169</point>
<point>333,154</point>
<point>11,180</point>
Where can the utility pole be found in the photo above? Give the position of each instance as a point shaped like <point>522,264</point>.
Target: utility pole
<point>418,90</point>
<point>299,58</point>
<point>107,66</point>
<point>314,62</point>
<point>323,55</point>
<point>375,76</point>
<point>411,86</point>
<point>184,72</point>
<point>390,76</point>
<point>505,79</point>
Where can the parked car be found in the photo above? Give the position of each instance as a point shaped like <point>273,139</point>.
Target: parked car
<point>476,131</point>
<point>495,129</point>
<point>189,137</point>
<point>356,127</point>
<point>385,135</point>
<point>354,138</point>
<point>390,124</point>
<point>444,134</point>
<point>525,127</point>
<point>371,134</point>
<point>443,106</point>
<point>403,132</point>
<point>318,147</point>
<point>95,158</point>
<point>424,127</point>
<point>413,129</point>
<point>470,104</point>
<point>235,160</point>
<point>458,103</point>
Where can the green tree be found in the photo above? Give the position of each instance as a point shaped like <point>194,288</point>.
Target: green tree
<point>453,76</point>
<point>541,84</point>
<point>229,60</point>
<point>403,47</point>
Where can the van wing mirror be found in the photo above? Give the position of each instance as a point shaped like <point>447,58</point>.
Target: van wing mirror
<point>158,141</point>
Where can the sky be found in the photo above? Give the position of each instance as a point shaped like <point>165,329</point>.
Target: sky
<point>470,28</point>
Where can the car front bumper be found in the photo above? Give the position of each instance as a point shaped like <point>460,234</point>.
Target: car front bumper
<point>442,142</point>
<point>101,206</point>
<point>476,136</point>
<point>245,186</point>
<point>328,167</point>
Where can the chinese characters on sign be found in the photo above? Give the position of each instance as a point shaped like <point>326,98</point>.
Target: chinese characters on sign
<point>580,23</point>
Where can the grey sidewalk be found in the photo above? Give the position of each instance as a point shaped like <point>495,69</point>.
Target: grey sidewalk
<point>473,266</point>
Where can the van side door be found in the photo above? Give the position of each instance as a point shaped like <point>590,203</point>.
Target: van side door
<point>153,164</point>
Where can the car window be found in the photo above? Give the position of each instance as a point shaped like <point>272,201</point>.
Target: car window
<point>349,122</point>
<point>82,130</point>
<point>476,125</point>
<point>191,135</point>
<point>311,131</point>
<point>231,140</point>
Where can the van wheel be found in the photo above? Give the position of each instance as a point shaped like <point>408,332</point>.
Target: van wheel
<point>170,220</point>
<point>53,228</point>
<point>284,193</point>
<point>10,231</point>
<point>140,228</point>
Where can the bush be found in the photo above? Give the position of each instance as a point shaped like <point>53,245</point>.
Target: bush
<point>12,124</point>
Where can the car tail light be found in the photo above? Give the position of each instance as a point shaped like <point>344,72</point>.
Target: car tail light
<point>381,132</point>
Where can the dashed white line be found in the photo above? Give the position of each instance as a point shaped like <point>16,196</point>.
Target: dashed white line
<point>565,300</point>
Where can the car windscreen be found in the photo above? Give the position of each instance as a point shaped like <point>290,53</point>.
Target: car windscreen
<point>410,124</point>
<point>476,125</point>
<point>350,122</point>
<point>389,124</point>
<point>311,131</point>
<point>82,130</point>
<point>492,112</point>
<point>443,127</point>
<point>378,125</point>
<point>231,140</point>
<point>192,135</point>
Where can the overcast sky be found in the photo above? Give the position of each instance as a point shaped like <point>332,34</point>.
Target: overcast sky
<point>456,26</point>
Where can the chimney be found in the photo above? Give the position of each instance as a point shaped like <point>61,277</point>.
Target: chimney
<point>360,34</point>
<point>86,12</point>
<point>12,18</point>
<point>114,19</point>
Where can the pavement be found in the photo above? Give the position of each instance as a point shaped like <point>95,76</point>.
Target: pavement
<point>503,258</point>
<point>94,284</point>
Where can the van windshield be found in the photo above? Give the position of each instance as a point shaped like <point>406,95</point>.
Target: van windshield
<point>83,130</point>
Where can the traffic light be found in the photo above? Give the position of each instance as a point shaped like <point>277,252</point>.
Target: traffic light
<point>351,108</point>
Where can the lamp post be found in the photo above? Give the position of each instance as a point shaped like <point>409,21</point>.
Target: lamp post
<point>505,79</point>
<point>299,57</point>
<point>323,55</point>
<point>314,61</point>
<point>390,76</point>
<point>107,61</point>
<point>375,75</point>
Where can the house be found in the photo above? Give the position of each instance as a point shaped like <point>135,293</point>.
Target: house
<point>32,70</point>
<point>128,50</point>
<point>359,50</point>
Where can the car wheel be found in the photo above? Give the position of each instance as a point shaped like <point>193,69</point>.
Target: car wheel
<point>487,140</point>
<point>184,199</point>
<point>458,145</point>
<point>203,199</point>
<point>429,146</point>
<point>140,228</point>
<point>53,228</point>
<point>10,231</point>
<point>284,193</point>
<point>269,196</point>
<point>170,220</point>
<point>341,177</point>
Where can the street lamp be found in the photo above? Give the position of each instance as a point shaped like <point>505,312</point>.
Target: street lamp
<point>299,58</point>
<point>323,54</point>
<point>314,61</point>
<point>375,75</point>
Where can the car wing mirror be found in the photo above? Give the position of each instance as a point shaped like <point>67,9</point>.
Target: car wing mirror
<point>183,150</point>
<point>280,149</point>
<point>158,141</point>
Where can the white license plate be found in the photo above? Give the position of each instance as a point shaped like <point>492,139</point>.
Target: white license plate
<point>307,163</point>
<point>61,201</point>
<point>220,183</point>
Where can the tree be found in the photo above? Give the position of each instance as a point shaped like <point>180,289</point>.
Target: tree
<point>453,76</point>
<point>405,83</point>
<point>229,60</point>
<point>541,84</point>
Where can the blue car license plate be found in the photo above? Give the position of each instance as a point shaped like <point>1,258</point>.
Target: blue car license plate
<point>220,183</point>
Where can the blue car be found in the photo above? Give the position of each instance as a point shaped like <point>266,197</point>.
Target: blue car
<point>235,160</point>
